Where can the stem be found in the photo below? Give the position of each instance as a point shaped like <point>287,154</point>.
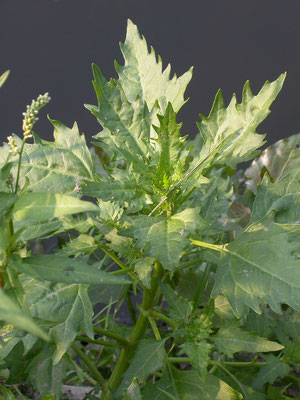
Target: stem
<point>19,166</point>
<point>163,317</point>
<point>117,261</point>
<point>189,264</point>
<point>197,296</point>
<point>154,328</point>
<point>238,364</point>
<point>137,333</point>
<point>97,375</point>
<point>217,247</point>
<point>131,309</point>
<point>95,341</point>
<point>113,335</point>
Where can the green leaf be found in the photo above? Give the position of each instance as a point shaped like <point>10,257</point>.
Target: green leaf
<point>142,74</point>
<point>231,339</point>
<point>60,269</point>
<point>133,391</point>
<point>283,197</point>
<point>180,309</point>
<point>277,160</point>
<point>3,239</point>
<point>41,206</point>
<point>238,121</point>
<point>260,265</point>
<point>198,353</point>
<point>164,238</point>
<point>3,77</point>
<point>6,200</point>
<point>5,394</point>
<point>44,376</point>
<point>268,373</point>
<point>143,267</point>
<point>187,385</point>
<point>12,314</point>
<point>149,356</point>
<point>128,124</point>
<point>57,166</point>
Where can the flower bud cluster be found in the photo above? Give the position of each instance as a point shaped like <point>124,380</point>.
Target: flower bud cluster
<point>13,145</point>
<point>30,116</point>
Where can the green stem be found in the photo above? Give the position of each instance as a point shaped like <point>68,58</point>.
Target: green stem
<point>137,333</point>
<point>117,261</point>
<point>237,364</point>
<point>113,335</point>
<point>97,375</point>
<point>189,264</point>
<point>95,341</point>
<point>131,308</point>
<point>163,317</point>
<point>154,327</point>
<point>218,247</point>
<point>199,291</point>
<point>19,165</point>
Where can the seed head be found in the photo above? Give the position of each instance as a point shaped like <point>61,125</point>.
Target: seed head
<point>30,116</point>
<point>13,145</point>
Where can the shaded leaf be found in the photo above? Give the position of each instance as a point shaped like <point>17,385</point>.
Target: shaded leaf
<point>41,206</point>
<point>268,373</point>
<point>180,308</point>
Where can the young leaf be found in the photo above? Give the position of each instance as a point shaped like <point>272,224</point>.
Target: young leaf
<point>142,74</point>
<point>260,265</point>
<point>60,269</point>
<point>40,206</point>
<point>278,159</point>
<point>231,339</point>
<point>238,121</point>
<point>188,385</point>
<point>149,356</point>
<point>268,373</point>
<point>180,309</point>
<point>143,267</point>
<point>164,238</point>
<point>198,353</point>
<point>12,314</point>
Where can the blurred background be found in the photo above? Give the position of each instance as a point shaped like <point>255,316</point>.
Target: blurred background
<point>49,45</point>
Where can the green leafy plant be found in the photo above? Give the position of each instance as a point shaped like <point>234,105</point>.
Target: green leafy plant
<point>202,258</point>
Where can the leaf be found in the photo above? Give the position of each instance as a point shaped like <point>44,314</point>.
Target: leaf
<point>133,391</point>
<point>268,373</point>
<point>187,385</point>
<point>231,339</point>
<point>41,206</point>
<point>198,354</point>
<point>67,307</point>
<point>237,121</point>
<point>6,393</point>
<point>170,144</point>
<point>180,309</point>
<point>12,314</point>
<point>128,124</point>
<point>278,160</point>
<point>3,77</point>
<point>142,74</point>
<point>3,239</point>
<point>54,166</point>
<point>6,200</point>
<point>44,376</point>
<point>143,267</point>
<point>61,269</point>
<point>164,238</point>
<point>283,197</point>
<point>260,266</point>
<point>149,356</point>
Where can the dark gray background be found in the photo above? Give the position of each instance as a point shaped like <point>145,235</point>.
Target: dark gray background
<point>49,45</point>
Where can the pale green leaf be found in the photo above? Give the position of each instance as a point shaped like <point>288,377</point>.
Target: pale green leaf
<point>44,376</point>
<point>231,339</point>
<point>41,206</point>
<point>142,75</point>
<point>273,369</point>
<point>61,269</point>
<point>260,265</point>
<point>187,385</point>
<point>278,160</point>
<point>143,267</point>
<point>180,308</point>
<point>11,313</point>
<point>165,238</point>
<point>6,200</point>
<point>238,122</point>
<point>60,166</point>
<point>149,356</point>
<point>133,391</point>
<point>3,77</point>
